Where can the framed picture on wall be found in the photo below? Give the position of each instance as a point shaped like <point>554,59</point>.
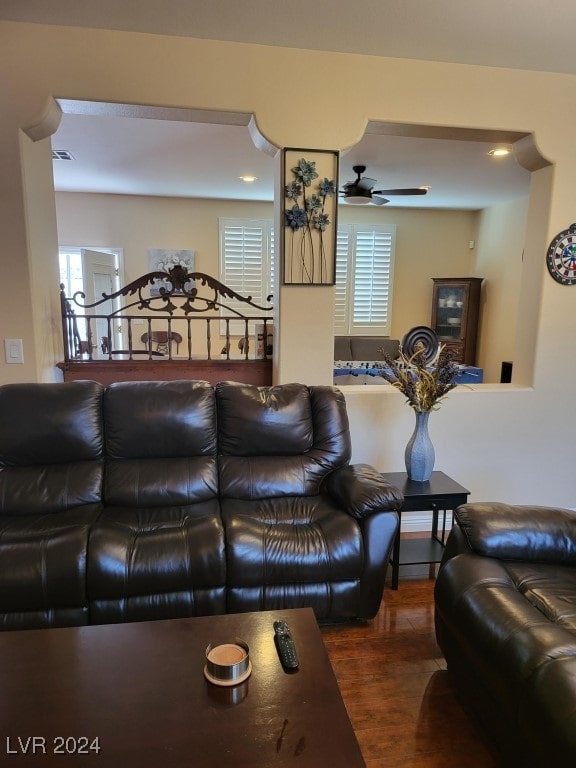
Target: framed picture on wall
<point>309,210</point>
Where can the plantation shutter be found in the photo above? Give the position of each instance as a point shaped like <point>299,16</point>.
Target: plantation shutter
<point>364,279</point>
<point>341,293</point>
<point>246,251</point>
<point>271,264</point>
<point>364,272</point>
<point>242,250</point>
<point>372,281</point>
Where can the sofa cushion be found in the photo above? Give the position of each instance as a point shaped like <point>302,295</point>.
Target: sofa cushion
<point>279,441</point>
<point>51,444</point>
<point>50,423</point>
<point>519,532</point>
<point>159,562</point>
<point>161,443</point>
<point>155,419</point>
<point>43,573</point>
<point>282,550</point>
<point>161,482</point>
<point>271,421</point>
<point>50,489</point>
<point>274,541</point>
<point>551,589</point>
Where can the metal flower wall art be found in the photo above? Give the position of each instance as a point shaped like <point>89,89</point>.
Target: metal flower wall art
<point>310,218</point>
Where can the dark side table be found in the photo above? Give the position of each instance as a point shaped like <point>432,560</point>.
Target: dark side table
<point>439,494</point>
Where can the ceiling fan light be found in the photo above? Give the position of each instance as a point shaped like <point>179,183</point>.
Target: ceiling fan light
<point>357,199</point>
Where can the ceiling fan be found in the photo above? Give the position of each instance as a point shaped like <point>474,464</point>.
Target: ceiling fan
<point>361,191</point>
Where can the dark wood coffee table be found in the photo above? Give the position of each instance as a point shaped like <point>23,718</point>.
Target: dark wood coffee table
<point>135,695</point>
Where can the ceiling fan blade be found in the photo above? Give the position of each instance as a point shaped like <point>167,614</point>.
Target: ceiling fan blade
<point>365,183</point>
<point>413,191</point>
<point>377,200</point>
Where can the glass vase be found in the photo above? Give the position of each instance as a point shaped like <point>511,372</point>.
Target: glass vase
<point>419,454</point>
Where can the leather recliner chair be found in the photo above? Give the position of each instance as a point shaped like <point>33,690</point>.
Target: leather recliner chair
<point>505,614</point>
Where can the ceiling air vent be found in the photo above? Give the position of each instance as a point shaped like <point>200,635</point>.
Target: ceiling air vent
<point>61,154</point>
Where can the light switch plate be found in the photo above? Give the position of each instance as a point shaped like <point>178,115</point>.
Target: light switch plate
<point>13,350</point>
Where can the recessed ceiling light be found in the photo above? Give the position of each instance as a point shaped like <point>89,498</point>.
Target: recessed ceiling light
<point>499,152</point>
<point>249,179</point>
<point>425,186</point>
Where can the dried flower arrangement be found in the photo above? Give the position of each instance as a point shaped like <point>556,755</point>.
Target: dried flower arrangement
<point>424,385</point>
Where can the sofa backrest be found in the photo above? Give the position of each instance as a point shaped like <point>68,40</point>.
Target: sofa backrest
<point>368,348</point>
<point>365,348</point>
<point>160,443</point>
<point>279,440</point>
<point>164,443</point>
<point>51,447</point>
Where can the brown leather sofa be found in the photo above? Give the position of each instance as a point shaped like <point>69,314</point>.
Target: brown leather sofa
<point>505,603</point>
<point>152,500</point>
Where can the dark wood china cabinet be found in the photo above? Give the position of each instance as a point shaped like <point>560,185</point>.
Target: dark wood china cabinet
<point>455,312</point>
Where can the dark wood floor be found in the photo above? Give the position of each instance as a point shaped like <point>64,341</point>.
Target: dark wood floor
<point>396,688</point>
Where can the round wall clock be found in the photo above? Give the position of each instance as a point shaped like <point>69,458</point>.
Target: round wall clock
<point>561,256</point>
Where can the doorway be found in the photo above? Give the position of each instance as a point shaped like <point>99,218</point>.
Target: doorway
<point>94,272</point>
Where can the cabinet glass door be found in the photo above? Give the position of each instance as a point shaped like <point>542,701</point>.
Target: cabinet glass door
<point>450,303</point>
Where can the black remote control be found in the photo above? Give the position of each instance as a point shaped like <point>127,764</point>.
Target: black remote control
<point>285,645</point>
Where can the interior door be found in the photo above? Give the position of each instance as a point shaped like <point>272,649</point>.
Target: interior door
<point>100,273</point>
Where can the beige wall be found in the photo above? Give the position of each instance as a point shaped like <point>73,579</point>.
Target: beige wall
<point>139,223</point>
<point>40,209</point>
<point>494,440</point>
<point>499,252</point>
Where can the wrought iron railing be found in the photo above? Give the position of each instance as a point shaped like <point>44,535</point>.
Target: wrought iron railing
<point>161,310</point>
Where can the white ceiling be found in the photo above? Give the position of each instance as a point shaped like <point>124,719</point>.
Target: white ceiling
<point>146,156</point>
<point>141,156</point>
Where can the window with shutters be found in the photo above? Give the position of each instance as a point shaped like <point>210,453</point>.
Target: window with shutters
<point>364,279</point>
<point>364,271</point>
<point>247,261</point>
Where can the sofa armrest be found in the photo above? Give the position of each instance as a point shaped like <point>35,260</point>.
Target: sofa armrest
<point>514,532</point>
<point>361,490</point>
